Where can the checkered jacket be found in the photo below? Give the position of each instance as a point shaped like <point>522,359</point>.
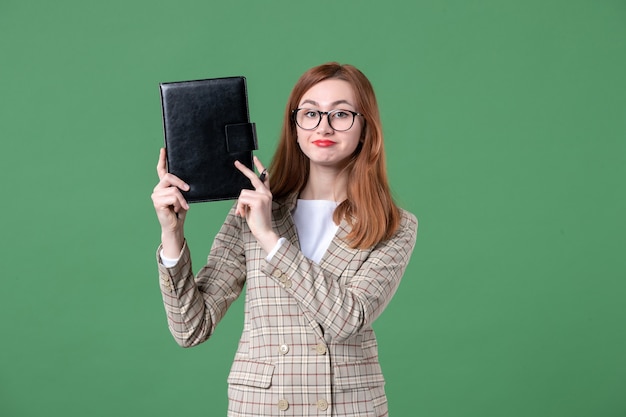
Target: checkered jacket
<point>307,347</point>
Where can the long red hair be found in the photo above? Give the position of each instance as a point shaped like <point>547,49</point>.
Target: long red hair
<point>369,207</point>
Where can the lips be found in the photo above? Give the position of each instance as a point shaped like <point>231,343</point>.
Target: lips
<point>324,143</point>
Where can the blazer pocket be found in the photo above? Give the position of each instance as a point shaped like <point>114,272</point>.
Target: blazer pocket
<point>355,375</point>
<point>251,373</point>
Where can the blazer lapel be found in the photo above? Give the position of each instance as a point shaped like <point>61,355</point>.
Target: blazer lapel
<point>334,262</point>
<point>339,254</point>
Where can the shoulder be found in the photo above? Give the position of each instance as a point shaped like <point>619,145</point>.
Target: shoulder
<point>407,220</point>
<point>406,232</point>
<point>399,247</point>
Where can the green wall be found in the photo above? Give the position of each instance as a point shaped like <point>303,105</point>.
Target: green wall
<point>505,125</point>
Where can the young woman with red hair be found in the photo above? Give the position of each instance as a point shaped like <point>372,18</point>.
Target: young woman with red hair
<point>321,247</point>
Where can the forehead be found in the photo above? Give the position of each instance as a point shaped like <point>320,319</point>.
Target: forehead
<point>329,92</point>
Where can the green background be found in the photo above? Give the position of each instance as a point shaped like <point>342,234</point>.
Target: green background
<point>505,127</point>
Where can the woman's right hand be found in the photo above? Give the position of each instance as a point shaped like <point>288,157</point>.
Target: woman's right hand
<point>171,207</point>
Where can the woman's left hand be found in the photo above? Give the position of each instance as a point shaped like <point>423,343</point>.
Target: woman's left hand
<point>256,206</point>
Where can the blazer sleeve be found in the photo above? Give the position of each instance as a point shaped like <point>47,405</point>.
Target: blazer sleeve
<point>343,309</point>
<point>195,305</point>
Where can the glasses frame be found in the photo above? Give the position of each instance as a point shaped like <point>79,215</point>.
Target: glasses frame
<point>294,114</point>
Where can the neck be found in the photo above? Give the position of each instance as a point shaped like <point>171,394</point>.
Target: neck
<point>325,183</point>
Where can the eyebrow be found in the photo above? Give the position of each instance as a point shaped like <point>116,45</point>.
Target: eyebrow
<point>333,104</point>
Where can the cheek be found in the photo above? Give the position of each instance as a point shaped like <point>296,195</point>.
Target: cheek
<point>357,139</point>
<point>302,136</point>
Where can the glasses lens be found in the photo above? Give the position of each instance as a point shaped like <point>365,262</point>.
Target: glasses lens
<point>341,119</point>
<point>307,118</point>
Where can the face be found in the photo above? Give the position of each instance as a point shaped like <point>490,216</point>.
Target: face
<point>323,145</point>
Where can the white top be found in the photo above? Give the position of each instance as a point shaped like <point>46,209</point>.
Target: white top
<point>316,229</point>
<point>315,226</point>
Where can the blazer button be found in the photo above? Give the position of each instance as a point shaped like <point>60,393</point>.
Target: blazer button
<point>287,283</point>
<point>283,349</point>
<point>283,405</point>
<point>321,349</point>
<point>277,273</point>
<point>322,404</point>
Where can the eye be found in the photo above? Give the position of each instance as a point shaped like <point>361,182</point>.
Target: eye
<point>341,114</point>
<point>310,114</point>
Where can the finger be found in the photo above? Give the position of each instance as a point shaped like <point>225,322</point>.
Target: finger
<point>257,163</point>
<point>170,198</point>
<point>174,209</point>
<point>167,179</point>
<point>248,201</point>
<point>244,170</point>
<point>263,171</point>
<point>181,215</point>
<point>256,182</point>
<point>161,165</point>
<point>171,180</point>
<point>173,206</point>
<point>264,177</point>
<point>242,209</point>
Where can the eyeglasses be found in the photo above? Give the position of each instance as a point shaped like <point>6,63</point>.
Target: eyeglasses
<point>339,120</point>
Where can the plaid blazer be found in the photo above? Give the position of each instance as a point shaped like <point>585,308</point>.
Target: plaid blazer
<point>307,347</point>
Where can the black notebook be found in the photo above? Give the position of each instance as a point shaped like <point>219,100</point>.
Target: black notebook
<point>207,128</point>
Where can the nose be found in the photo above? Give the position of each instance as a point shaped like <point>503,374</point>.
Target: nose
<point>324,126</point>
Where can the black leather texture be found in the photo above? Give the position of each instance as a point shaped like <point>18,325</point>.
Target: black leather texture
<point>207,127</point>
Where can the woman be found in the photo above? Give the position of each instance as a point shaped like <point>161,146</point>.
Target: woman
<point>321,247</point>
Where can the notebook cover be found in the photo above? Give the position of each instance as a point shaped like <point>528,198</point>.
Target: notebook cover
<point>207,128</point>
